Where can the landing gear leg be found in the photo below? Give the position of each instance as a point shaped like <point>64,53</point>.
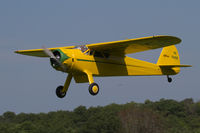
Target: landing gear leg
<point>62,90</point>
<point>169,79</point>
<point>93,87</point>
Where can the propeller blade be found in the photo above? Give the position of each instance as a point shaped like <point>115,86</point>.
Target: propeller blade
<point>48,52</point>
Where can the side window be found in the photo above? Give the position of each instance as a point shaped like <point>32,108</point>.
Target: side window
<point>91,52</point>
<point>98,54</point>
<point>106,55</point>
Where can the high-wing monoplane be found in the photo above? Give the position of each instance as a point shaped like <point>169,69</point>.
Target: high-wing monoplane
<point>109,59</point>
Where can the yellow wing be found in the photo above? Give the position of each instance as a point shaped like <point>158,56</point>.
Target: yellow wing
<point>135,45</point>
<point>39,52</point>
<point>118,47</point>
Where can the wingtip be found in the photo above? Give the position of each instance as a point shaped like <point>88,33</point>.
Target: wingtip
<point>176,40</point>
<point>16,51</point>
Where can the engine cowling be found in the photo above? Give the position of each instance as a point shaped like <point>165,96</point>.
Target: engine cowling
<point>60,58</point>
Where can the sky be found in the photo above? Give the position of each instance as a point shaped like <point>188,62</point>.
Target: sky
<point>28,83</point>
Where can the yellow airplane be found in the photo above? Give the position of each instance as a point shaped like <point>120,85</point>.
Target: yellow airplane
<point>109,59</point>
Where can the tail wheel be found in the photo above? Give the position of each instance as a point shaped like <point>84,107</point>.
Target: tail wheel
<point>93,89</point>
<point>169,79</point>
<point>59,92</point>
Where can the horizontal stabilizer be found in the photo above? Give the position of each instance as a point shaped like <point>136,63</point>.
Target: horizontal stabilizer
<point>171,66</point>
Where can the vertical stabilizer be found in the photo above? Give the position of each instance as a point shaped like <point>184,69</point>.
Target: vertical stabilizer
<point>169,56</point>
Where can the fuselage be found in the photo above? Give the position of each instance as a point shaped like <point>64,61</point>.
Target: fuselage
<point>79,62</point>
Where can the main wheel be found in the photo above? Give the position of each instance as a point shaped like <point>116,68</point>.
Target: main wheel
<point>94,89</point>
<point>59,92</point>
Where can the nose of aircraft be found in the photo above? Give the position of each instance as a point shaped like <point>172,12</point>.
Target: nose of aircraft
<point>57,61</point>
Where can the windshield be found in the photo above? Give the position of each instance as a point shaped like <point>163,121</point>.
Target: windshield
<point>83,48</point>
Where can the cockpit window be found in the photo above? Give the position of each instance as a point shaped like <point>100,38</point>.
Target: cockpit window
<point>83,49</point>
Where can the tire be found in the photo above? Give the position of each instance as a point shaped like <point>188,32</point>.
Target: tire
<point>93,89</point>
<point>59,92</point>
<point>169,80</point>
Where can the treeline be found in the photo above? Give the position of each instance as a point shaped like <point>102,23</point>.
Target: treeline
<point>164,116</point>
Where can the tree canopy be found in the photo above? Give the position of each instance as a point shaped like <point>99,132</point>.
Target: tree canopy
<point>164,116</point>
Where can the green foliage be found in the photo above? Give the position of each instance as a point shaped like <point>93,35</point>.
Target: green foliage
<point>166,116</point>
<point>141,120</point>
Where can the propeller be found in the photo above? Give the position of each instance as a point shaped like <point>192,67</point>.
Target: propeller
<point>48,52</point>
<point>54,59</point>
